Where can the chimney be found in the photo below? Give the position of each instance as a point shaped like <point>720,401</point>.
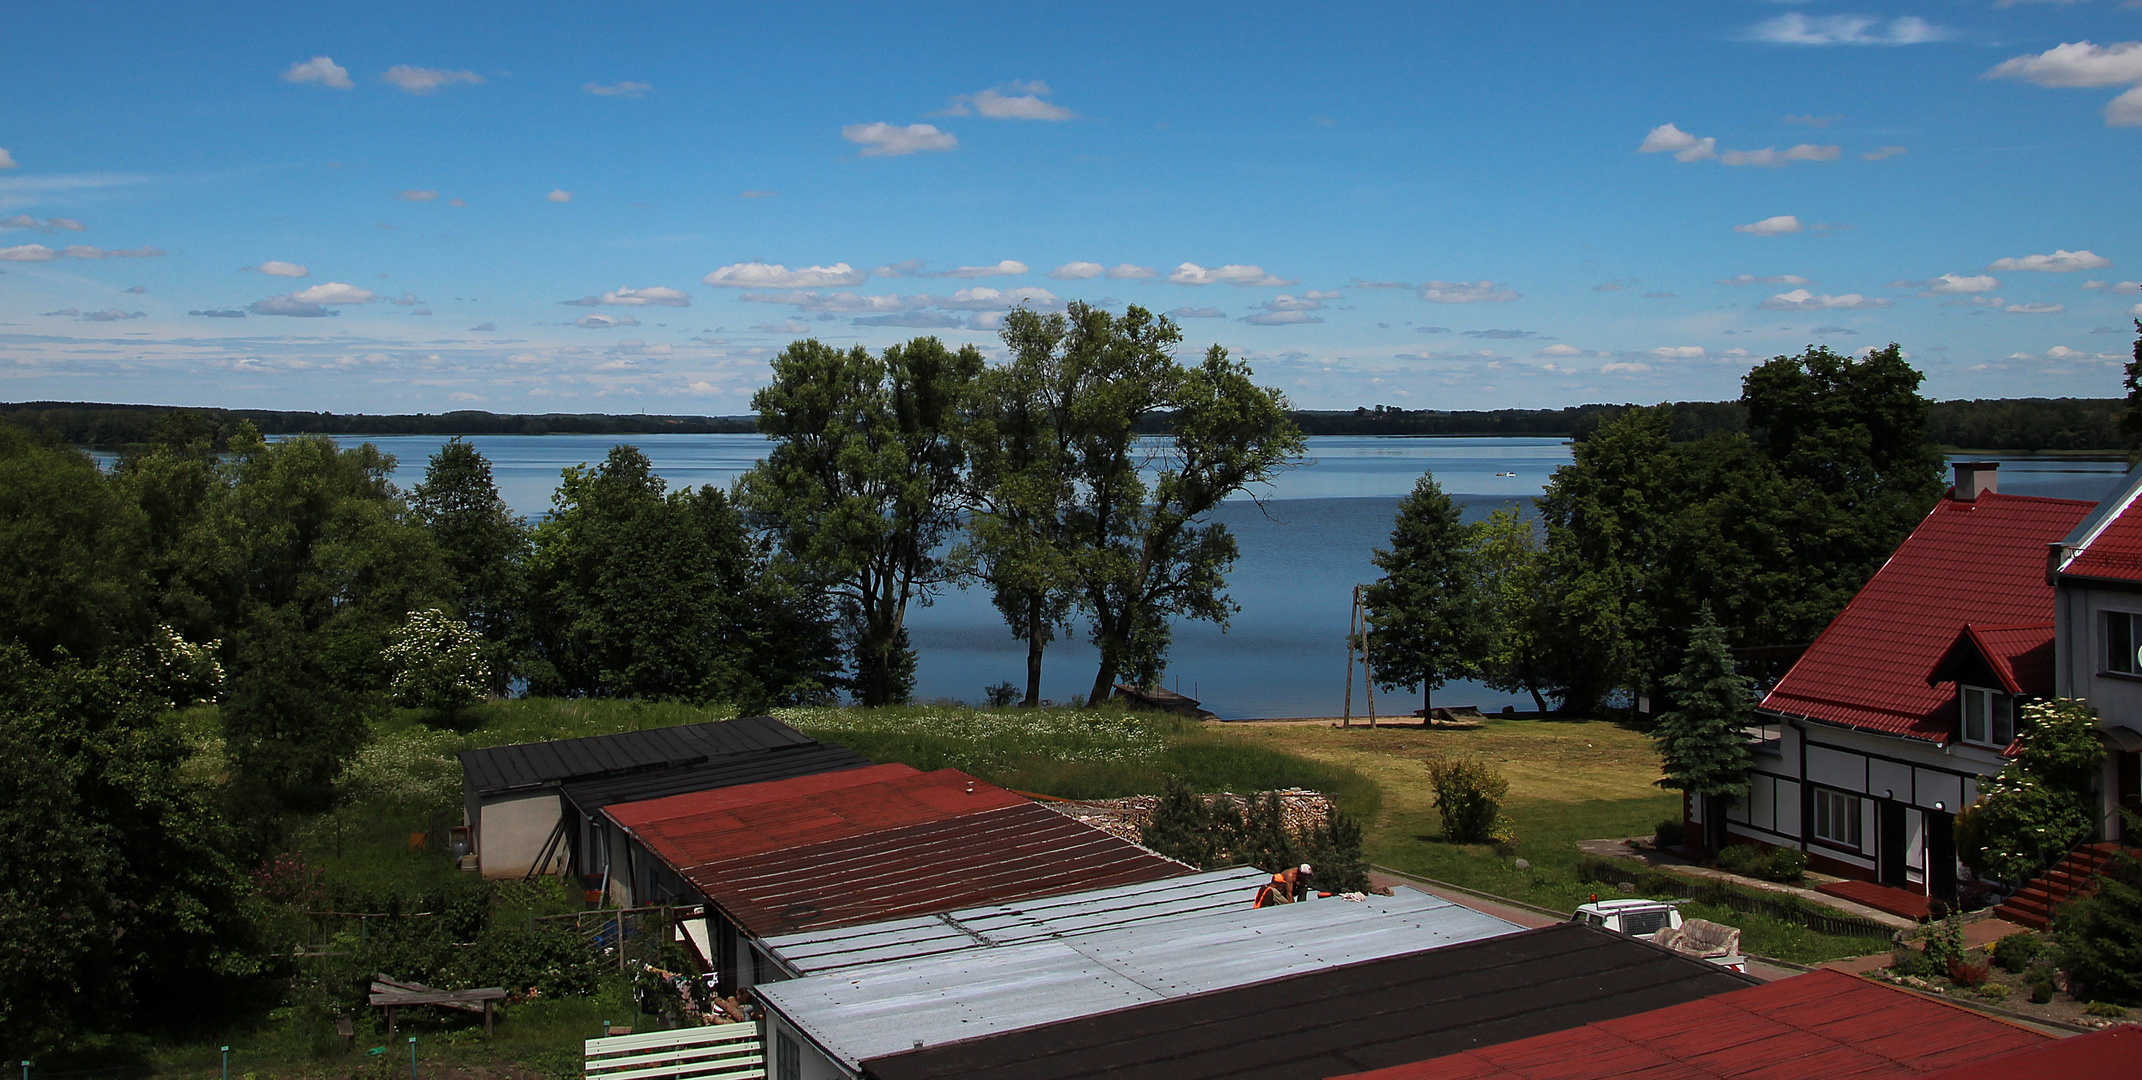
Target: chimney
<point>1976,478</point>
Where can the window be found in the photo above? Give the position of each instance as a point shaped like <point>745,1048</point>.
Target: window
<point>788,1057</point>
<point>1989,716</point>
<point>1837,817</point>
<point>2121,643</point>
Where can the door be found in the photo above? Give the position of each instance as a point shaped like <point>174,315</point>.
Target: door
<point>1889,855</point>
<point>1940,854</point>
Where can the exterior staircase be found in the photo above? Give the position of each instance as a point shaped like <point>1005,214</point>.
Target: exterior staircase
<point>2032,906</point>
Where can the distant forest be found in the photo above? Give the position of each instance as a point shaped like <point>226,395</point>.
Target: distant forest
<point>2010,425</point>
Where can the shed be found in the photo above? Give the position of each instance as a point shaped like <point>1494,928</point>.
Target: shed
<point>1824,1024</point>
<point>1340,1017</point>
<point>835,1022</point>
<point>520,819</point>
<point>861,846</point>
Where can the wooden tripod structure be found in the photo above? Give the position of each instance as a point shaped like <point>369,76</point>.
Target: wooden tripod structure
<point>1357,629</point>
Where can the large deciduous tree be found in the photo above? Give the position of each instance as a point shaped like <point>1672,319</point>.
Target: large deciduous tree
<point>1518,608</point>
<point>484,545</point>
<point>1427,612</point>
<point>70,553</point>
<point>865,484</point>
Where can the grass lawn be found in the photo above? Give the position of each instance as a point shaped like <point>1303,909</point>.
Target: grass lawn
<point>1570,780</point>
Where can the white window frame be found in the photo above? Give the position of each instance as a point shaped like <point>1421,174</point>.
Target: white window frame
<point>1836,818</point>
<point>1985,716</point>
<point>2123,646</point>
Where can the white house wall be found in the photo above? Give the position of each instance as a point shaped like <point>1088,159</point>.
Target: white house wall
<point>512,829</point>
<point>2078,655</point>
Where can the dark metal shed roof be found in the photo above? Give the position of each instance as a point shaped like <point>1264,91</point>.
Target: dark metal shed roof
<point>506,768</point>
<point>593,794</point>
<point>1823,1024</point>
<point>1345,1019</point>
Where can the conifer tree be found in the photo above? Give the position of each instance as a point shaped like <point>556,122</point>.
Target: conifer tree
<point>1426,610</point>
<point>1700,740</point>
<point>1334,851</point>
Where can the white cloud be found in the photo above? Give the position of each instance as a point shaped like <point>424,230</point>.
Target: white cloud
<point>1771,226</point>
<point>1679,352</point>
<point>1802,300</point>
<point>1231,274</point>
<point>1078,271</point>
<point>789,326</point>
<point>1773,158</point>
<point>1006,268</point>
<point>636,347</point>
<point>618,89</point>
<point>1130,272</point>
<point>7,160</point>
<point>605,322</point>
<point>2034,309</point>
<point>334,292</point>
<point>2125,110</point>
<point>28,253</point>
<point>1684,147</point>
<point>112,315</point>
<point>457,202</point>
<point>416,196</point>
<point>1884,152</point>
<point>1623,368</point>
<point>558,195</point>
<point>279,268</point>
<point>2076,64</point>
<point>758,275</point>
<point>422,80</point>
<point>1327,294</point>
<point>887,140</point>
<point>843,302</point>
<point>52,224</point>
<point>1281,318</point>
<point>2135,311</point>
<point>1795,28</point>
<point>2062,352</point>
<point>290,306</point>
<point>2124,286</point>
<point>1197,313</point>
<point>41,253</point>
<point>1022,103</point>
<point>484,328</point>
<point>1284,302</point>
<point>1975,301</point>
<point>918,320</point>
<point>1774,279</point>
<point>1956,284</point>
<point>223,313</point>
<point>1461,292</point>
<point>1559,350</point>
<point>986,320</point>
<point>2061,261</point>
<point>654,295</point>
<point>320,70</point>
<point>409,299</point>
<point>983,298</point>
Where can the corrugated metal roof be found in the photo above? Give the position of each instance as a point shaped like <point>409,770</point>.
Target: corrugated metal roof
<point>1967,562</point>
<point>2112,1054</point>
<point>506,768</point>
<point>785,763</point>
<point>1337,1020</point>
<point>1825,1024</point>
<point>816,952</point>
<point>865,1012</point>
<point>998,855</point>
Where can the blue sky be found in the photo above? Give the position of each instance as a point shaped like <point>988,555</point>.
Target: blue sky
<point>632,207</point>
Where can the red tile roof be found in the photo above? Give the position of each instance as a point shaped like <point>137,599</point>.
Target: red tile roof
<point>2112,1054</point>
<point>863,845</point>
<point>1825,1025</point>
<point>2019,657</point>
<point>2110,545</point>
<point>1979,562</point>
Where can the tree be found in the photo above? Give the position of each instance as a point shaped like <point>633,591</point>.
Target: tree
<point>2131,420</point>
<point>1517,609</point>
<point>1428,610</point>
<point>192,541</point>
<point>2040,804</point>
<point>121,910</point>
<point>438,663</point>
<point>2101,936</point>
<point>71,547</point>
<point>639,592</point>
<point>484,545</point>
<point>1702,740</point>
<point>864,485</point>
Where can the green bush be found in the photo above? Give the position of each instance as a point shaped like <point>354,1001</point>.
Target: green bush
<point>1994,992</point>
<point>2101,936</point>
<point>1772,864</point>
<point>1907,961</point>
<point>1468,793</point>
<point>1670,833</point>
<point>2041,985</point>
<point>1787,864</point>
<point>2106,1008</point>
<point>1944,945</point>
<point>2015,952</point>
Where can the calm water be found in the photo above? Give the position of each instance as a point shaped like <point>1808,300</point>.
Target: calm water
<point>1303,551</point>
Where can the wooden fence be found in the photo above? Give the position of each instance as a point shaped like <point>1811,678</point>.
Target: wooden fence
<point>721,1052</point>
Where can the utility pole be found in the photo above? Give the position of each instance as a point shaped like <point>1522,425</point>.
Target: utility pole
<point>1353,618</point>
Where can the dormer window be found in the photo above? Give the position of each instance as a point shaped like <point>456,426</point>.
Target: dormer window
<point>2121,642</point>
<point>1989,716</point>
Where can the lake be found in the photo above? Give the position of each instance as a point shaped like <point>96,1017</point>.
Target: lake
<point>1302,552</point>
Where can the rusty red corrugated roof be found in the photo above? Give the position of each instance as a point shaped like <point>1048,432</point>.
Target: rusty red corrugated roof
<point>2112,1054</point>
<point>867,844</point>
<point>1824,1024</point>
<point>1977,562</point>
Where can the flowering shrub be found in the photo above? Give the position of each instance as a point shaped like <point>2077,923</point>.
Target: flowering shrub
<point>437,663</point>
<point>182,672</point>
<point>2040,803</point>
<point>413,766</point>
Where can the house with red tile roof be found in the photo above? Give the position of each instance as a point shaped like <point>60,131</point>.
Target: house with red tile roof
<point>2097,576</point>
<point>1885,726</point>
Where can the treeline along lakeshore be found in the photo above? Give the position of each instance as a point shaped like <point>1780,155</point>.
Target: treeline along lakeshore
<point>2008,425</point>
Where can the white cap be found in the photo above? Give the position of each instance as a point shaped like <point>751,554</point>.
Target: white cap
<point>1306,870</point>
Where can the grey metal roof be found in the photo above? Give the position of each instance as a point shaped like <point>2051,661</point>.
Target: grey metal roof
<point>783,763</point>
<point>872,1010</point>
<point>506,768</point>
<point>820,951</point>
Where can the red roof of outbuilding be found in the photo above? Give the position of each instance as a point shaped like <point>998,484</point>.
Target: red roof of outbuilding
<point>2112,1054</point>
<point>1825,1025</point>
<point>1979,562</point>
<point>876,843</point>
